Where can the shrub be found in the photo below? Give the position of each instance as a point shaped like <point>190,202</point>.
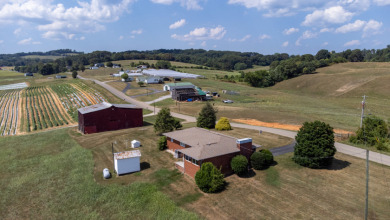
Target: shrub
<point>262,159</point>
<point>315,145</point>
<point>209,179</point>
<point>223,124</point>
<point>140,83</point>
<point>374,129</point>
<point>239,164</point>
<point>74,74</point>
<point>162,143</point>
<point>125,76</point>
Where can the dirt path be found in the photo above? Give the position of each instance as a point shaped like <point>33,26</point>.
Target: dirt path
<point>281,126</point>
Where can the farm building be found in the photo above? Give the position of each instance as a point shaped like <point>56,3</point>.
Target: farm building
<point>108,117</point>
<point>127,162</point>
<point>197,145</point>
<point>181,85</point>
<point>149,80</point>
<point>183,94</point>
<point>28,74</point>
<point>61,76</point>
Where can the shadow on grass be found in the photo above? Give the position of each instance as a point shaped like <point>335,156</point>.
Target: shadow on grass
<point>146,123</point>
<point>248,174</point>
<point>337,164</point>
<point>145,165</point>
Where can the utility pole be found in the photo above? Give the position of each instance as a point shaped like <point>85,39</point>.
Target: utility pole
<point>363,105</point>
<point>367,177</point>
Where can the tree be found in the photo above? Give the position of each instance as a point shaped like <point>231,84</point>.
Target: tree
<point>262,159</point>
<point>322,54</point>
<point>209,179</point>
<point>315,145</point>
<point>163,64</point>
<point>162,143</point>
<point>109,64</point>
<point>165,122</point>
<point>239,164</point>
<point>125,76</point>
<point>374,132</point>
<point>82,67</point>
<point>207,117</point>
<point>140,83</point>
<point>74,74</point>
<point>223,124</point>
<point>240,66</point>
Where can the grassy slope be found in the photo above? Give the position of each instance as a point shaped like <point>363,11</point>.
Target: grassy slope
<point>49,176</point>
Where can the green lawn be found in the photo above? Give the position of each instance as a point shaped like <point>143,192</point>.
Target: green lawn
<point>49,176</point>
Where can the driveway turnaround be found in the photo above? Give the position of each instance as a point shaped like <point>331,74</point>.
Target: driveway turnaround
<point>342,148</point>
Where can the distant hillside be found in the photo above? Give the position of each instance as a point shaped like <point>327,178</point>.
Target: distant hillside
<point>24,59</point>
<point>343,80</point>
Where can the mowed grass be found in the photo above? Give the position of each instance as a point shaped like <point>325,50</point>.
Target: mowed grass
<point>332,95</point>
<point>49,176</point>
<point>288,191</point>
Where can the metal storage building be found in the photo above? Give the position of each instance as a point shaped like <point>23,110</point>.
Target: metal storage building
<point>127,162</point>
<point>108,117</point>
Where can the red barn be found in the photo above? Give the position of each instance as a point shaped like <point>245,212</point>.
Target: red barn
<point>108,117</point>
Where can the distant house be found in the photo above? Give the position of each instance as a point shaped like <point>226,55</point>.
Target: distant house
<point>127,162</point>
<point>98,65</point>
<point>149,80</point>
<point>61,76</point>
<point>116,65</point>
<point>142,67</point>
<point>181,85</point>
<point>93,68</point>
<point>108,117</point>
<point>183,94</point>
<point>197,146</point>
<point>28,74</point>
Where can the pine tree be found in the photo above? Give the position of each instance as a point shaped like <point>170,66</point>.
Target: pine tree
<point>165,122</point>
<point>207,117</point>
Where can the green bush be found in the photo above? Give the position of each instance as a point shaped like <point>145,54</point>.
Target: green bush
<point>262,159</point>
<point>374,130</point>
<point>315,145</point>
<point>239,164</point>
<point>162,143</point>
<point>223,124</point>
<point>165,122</point>
<point>209,179</point>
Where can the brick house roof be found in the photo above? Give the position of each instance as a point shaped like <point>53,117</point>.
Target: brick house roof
<point>204,143</point>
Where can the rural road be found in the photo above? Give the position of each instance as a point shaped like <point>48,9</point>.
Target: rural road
<point>342,148</point>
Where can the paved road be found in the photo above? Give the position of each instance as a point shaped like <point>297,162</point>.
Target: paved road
<point>342,148</point>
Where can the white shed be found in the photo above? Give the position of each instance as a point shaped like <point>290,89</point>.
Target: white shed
<point>127,162</point>
<point>135,144</point>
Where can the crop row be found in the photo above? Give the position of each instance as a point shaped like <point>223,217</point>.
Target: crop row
<point>42,110</point>
<point>9,112</point>
<point>75,96</point>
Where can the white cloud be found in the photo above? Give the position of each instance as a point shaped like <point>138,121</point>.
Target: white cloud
<point>382,2</point>
<point>139,31</point>
<point>25,41</point>
<point>246,37</point>
<point>177,24</point>
<point>54,19</point>
<point>332,15</point>
<point>305,35</point>
<point>325,44</point>
<point>290,31</point>
<point>202,34</point>
<point>264,36</point>
<point>82,38</point>
<point>352,43</point>
<point>1,41</point>
<point>324,30</point>
<point>188,4</point>
<point>121,37</point>
<point>356,26</point>
<point>369,28</point>
<point>203,44</point>
<point>17,31</point>
<point>285,44</point>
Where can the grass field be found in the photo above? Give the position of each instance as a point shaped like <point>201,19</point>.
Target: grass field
<point>49,176</point>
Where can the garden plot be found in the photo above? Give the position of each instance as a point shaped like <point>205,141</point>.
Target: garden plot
<point>9,112</point>
<point>14,86</point>
<point>76,95</point>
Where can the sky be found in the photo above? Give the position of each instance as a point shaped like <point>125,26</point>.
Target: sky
<point>262,26</point>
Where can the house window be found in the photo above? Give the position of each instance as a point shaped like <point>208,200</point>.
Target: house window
<point>182,144</point>
<point>171,139</point>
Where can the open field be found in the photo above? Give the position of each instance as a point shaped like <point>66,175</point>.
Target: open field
<point>49,176</point>
<point>332,95</point>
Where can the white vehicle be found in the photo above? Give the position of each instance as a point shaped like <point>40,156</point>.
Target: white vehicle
<point>227,101</point>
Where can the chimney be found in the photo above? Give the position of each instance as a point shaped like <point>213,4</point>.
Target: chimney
<point>245,147</point>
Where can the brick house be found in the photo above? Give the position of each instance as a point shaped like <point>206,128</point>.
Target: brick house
<point>197,145</point>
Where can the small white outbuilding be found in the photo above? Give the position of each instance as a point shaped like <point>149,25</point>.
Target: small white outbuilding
<point>135,144</point>
<point>127,162</point>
